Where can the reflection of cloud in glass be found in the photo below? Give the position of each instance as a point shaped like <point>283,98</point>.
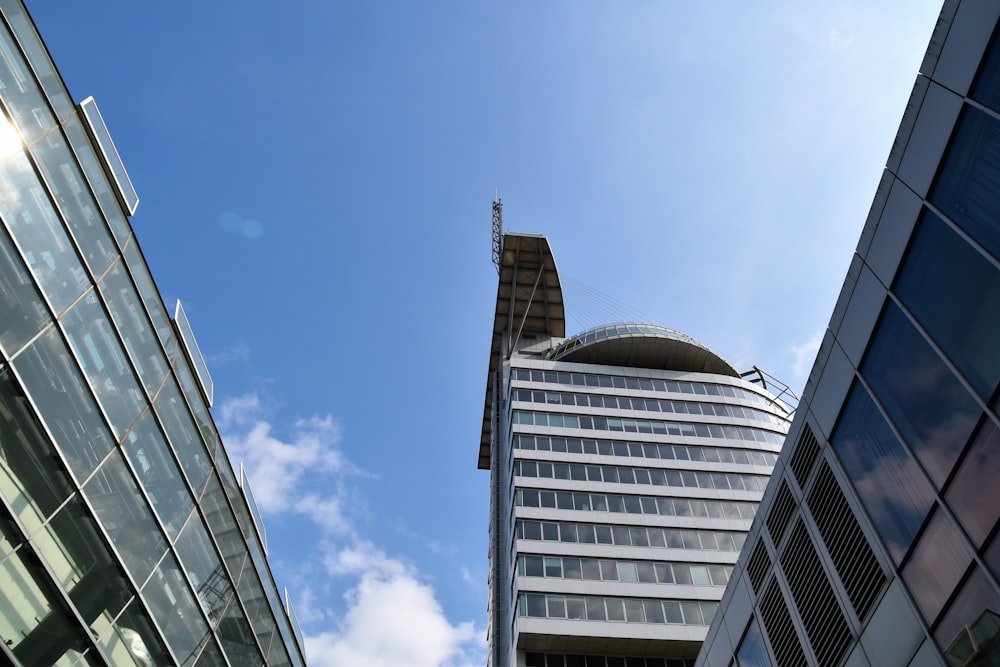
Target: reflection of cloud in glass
<point>977,600</point>
<point>971,495</point>
<point>931,408</point>
<point>936,565</point>
<point>888,480</point>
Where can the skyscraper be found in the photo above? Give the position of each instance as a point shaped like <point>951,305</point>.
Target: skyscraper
<point>877,541</point>
<point>626,463</point>
<point>125,536</point>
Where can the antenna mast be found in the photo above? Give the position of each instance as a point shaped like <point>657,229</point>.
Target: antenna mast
<point>497,231</point>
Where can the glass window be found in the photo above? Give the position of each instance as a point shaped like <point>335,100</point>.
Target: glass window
<point>52,379</point>
<point>23,313</point>
<point>936,565</point>
<point>572,568</point>
<point>183,435</point>
<point>123,512</point>
<point>654,611</point>
<point>131,639</point>
<point>627,572</point>
<point>99,353</point>
<point>34,483</point>
<point>615,608</point>
<point>646,573</point>
<point>595,609</point>
<point>888,480</point>
<point>591,569</point>
<point>971,621</point>
<point>967,496</point>
<point>965,189</point>
<point>204,569</point>
<point>556,606</point>
<point>959,309</point>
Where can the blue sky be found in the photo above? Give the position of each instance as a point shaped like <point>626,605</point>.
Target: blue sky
<point>315,185</point>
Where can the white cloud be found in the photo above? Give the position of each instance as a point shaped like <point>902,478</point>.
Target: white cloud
<point>838,41</point>
<point>393,619</point>
<point>236,352</point>
<point>392,616</point>
<point>276,468</point>
<point>805,354</point>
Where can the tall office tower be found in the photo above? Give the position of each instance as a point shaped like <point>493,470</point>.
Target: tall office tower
<point>877,543</point>
<point>626,464</point>
<point>125,536</point>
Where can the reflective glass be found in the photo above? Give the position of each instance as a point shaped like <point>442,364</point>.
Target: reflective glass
<point>140,340</point>
<point>930,407</point>
<point>84,566</point>
<point>223,527</point>
<point>99,352</point>
<point>31,478</point>
<point>22,96</point>
<point>74,201</point>
<point>51,377</point>
<point>150,296</point>
<point>936,565</point>
<point>175,610</point>
<point>123,512</point>
<point>969,495</point>
<point>147,451</point>
<point>132,640</point>
<point>23,313</point>
<point>960,309</point>
<point>888,480</point>
<point>965,189</point>
<point>39,233</point>
<point>98,179</point>
<point>183,435</point>
<point>38,629</point>
<point>972,621</point>
<point>752,652</point>
<point>237,637</point>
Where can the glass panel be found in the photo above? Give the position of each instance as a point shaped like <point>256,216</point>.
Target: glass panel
<point>175,610</point>
<point>23,313</point>
<point>132,640</point>
<point>73,199</point>
<point>237,638</point>
<point>936,565</point>
<point>38,232</point>
<point>227,534</point>
<point>133,323</point>
<point>183,434</point>
<point>931,409</point>
<point>31,479</point>
<point>108,201</point>
<point>959,309</point>
<point>151,297</point>
<point>100,354</point>
<point>84,566</point>
<point>888,480</point>
<point>972,622</point>
<point>123,513</point>
<point>966,188</point>
<point>52,379</point>
<point>968,497</point>
<point>111,158</point>
<point>147,451</point>
<point>35,625</point>
<point>22,96</point>
<point>204,569</point>
<point>252,596</point>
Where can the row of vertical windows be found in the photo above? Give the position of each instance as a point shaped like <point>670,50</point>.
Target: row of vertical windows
<point>633,383</point>
<point>648,450</point>
<point>726,481</point>
<point>560,660</point>
<point>634,536</point>
<point>622,610</point>
<point>644,572</point>
<point>592,423</point>
<point>657,505</point>
<point>645,404</point>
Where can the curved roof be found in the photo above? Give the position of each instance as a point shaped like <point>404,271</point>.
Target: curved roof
<point>529,300</point>
<point>641,346</point>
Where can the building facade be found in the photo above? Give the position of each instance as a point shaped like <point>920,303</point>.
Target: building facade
<point>876,543</point>
<point>626,464</point>
<point>125,536</point>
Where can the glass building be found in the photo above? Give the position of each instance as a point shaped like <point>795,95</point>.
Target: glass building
<point>876,543</point>
<point>125,536</point>
<point>626,464</point>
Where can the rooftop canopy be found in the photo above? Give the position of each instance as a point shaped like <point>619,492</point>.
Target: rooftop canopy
<point>641,346</point>
<point>529,301</point>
